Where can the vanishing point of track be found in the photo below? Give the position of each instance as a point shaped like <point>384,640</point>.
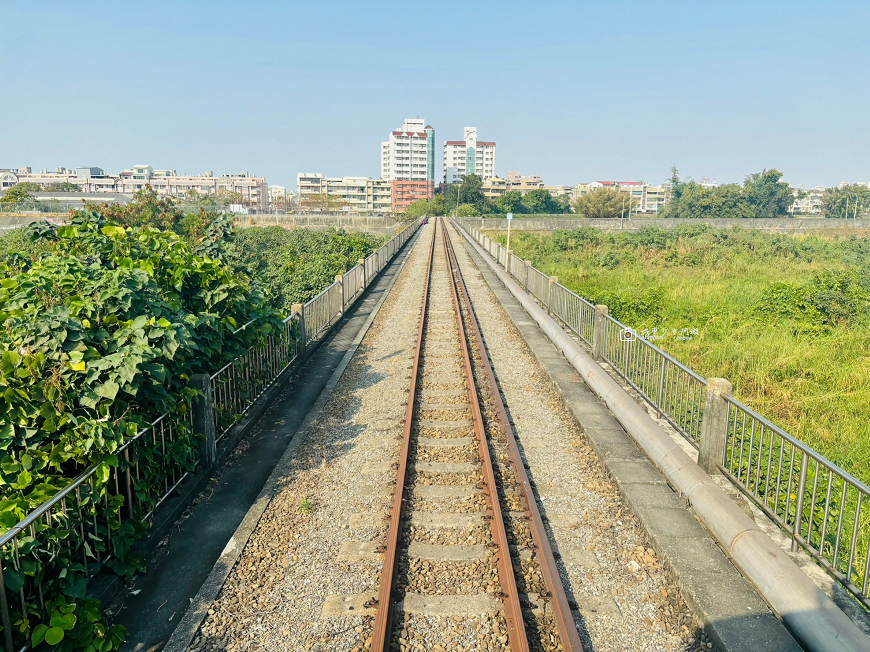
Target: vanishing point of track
<point>454,395</point>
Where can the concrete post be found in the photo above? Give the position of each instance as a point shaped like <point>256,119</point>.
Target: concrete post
<point>510,255</point>
<point>714,427</point>
<point>202,416</point>
<point>553,281</point>
<point>599,332</point>
<point>298,311</point>
<point>340,282</point>
<point>528,267</point>
<point>362,263</point>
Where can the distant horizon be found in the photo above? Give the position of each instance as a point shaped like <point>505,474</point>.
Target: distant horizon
<point>564,89</point>
<point>292,185</point>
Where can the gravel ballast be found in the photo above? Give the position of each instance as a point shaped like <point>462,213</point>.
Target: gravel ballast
<point>625,598</point>
<point>309,574</point>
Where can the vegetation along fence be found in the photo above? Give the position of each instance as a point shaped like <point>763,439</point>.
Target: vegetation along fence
<point>74,532</point>
<point>823,508</point>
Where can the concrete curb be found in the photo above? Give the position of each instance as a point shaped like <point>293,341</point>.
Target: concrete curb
<point>199,606</point>
<point>732,613</point>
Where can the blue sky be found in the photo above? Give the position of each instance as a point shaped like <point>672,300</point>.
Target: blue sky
<point>572,91</point>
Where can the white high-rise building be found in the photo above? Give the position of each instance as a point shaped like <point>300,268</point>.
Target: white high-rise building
<point>409,154</point>
<point>468,156</point>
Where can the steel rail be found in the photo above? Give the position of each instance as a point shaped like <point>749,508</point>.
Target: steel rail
<point>565,624</point>
<point>384,613</point>
<point>517,637</point>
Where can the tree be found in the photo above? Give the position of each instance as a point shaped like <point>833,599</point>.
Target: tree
<point>195,198</point>
<point>542,202</point>
<point>29,186</point>
<point>146,209</point>
<point>421,207</point>
<point>64,186</point>
<point>227,197</point>
<point>761,195</point>
<point>16,195</point>
<point>467,192</point>
<point>564,203</point>
<point>846,202</point>
<point>467,210</point>
<point>768,196</point>
<point>323,203</point>
<point>510,202</point>
<point>604,203</point>
<point>675,184</point>
<point>695,201</point>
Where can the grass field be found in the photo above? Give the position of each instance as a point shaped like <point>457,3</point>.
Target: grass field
<point>786,318</point>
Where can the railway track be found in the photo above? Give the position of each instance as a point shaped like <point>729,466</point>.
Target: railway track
<point>466,553</point>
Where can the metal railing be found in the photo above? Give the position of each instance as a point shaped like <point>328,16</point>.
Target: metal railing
<point>573,311</point>
<point>322,312</point>
<point>538,285</point>
<point>75,525</point>
<point>354,282</point>
<point>675,391</point>
<point>822,507</point>
<point>237,386</point>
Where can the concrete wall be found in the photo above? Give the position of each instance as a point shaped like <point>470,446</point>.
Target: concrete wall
<point>557,223</point>
<point>379,224</point>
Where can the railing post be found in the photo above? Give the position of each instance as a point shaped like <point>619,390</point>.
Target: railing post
<point>661,394</point>
<point>714,426</point>
<point>297,310</point>
<point>339,280</point>
<point>362,263</point>
<point>202,415</point>
<point>799,506</point>
<point>510,254</point>
<point>599,332</point>
<point>550,285</point>
<point>528,267</point>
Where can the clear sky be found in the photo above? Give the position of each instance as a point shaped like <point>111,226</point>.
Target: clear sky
<point>574,91</point>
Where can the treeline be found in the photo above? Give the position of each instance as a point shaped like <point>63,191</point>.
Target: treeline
<point>466,199</point>
<point>761,195</point>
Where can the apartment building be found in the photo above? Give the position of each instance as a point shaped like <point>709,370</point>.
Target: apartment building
<point>810,203</point>
<point>358,194</point>
<point>254,190</point>
<point>8,178</point>
<point>409,157</point>
<point>516,181</point>
<point>558,191</point>
<point>494,187</point>
<point>646,197</point>
<point>468,156</point>
<point>405,193</point>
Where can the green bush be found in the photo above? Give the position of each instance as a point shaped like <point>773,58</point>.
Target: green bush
<point>96,340</point>
<point>298,264</point>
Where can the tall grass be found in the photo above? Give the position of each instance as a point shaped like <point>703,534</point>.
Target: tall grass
<point>785,318</point>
